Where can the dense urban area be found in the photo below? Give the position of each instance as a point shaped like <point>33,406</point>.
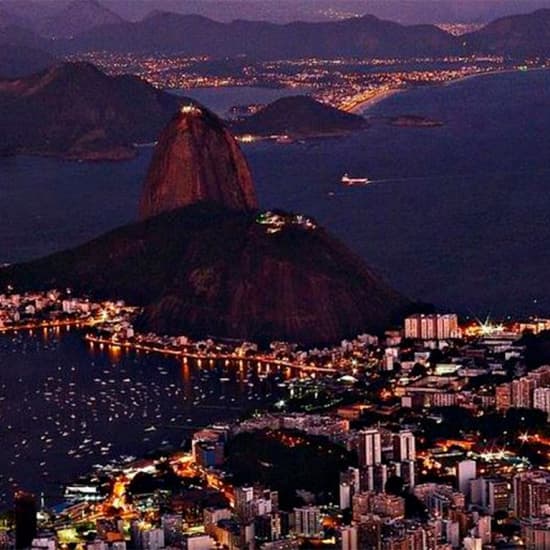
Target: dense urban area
<point>431,436</point>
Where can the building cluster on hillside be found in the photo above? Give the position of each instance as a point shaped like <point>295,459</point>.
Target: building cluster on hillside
<point>528,392</point>
<point>54,308</point>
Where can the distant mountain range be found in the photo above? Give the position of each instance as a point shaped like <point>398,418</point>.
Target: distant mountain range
<point>407,12</point>
<point>9,19</point>
<point>78,17</point>
<point>56,20</point>
<point>299,117</point>
<point>35,12</point>
<point>24,37</point>
<point>76,111</point>
<point>195,35</point>
<point>86,25</point>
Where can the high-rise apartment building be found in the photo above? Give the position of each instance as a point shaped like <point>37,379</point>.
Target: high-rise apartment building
<point>466,471</point>
<point>541,400</point>
<point>431,327</point>
<point>532,494</point>
<point>308,521</point>
<point>404,447</point>
<point>370,448</point>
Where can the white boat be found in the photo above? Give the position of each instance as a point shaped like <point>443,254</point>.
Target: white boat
<point>347,180</point>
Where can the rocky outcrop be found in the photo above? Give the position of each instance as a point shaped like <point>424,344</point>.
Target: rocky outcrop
<point>299,117</point>
<point>196,160</point>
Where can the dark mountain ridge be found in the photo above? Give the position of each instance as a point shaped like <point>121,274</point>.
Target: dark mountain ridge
<point>76,111</point>
<point>193,35</point>
<point>205,270</point>
<point>284,11</point>
<point>366,36</point>
<point>18,61</point>
<point>17,35</point>
<point>527,35</point>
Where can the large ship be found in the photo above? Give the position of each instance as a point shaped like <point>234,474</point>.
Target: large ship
<point>347,180</point>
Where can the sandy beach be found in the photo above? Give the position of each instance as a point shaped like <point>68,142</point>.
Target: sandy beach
<point>362,106</point>
<point>376,96</point>
<point>492,73</point>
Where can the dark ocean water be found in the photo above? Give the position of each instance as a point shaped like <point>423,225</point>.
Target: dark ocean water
<point>66,405</point>
<point>458,215</point>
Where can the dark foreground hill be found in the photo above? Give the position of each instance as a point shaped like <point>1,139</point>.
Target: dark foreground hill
<point>204,270</point>
<point>76,111</point>
<point>299,116</point>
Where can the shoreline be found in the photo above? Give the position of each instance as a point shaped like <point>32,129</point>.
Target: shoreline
<point>362,107</point>
<point>493,73</point>
<point>358,107</point>
<point>184,354</point>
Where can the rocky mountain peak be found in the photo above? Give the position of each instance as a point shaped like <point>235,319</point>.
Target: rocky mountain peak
<point>197,160</point>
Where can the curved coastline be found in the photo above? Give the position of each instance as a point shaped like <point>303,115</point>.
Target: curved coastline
<point>363,107</point>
